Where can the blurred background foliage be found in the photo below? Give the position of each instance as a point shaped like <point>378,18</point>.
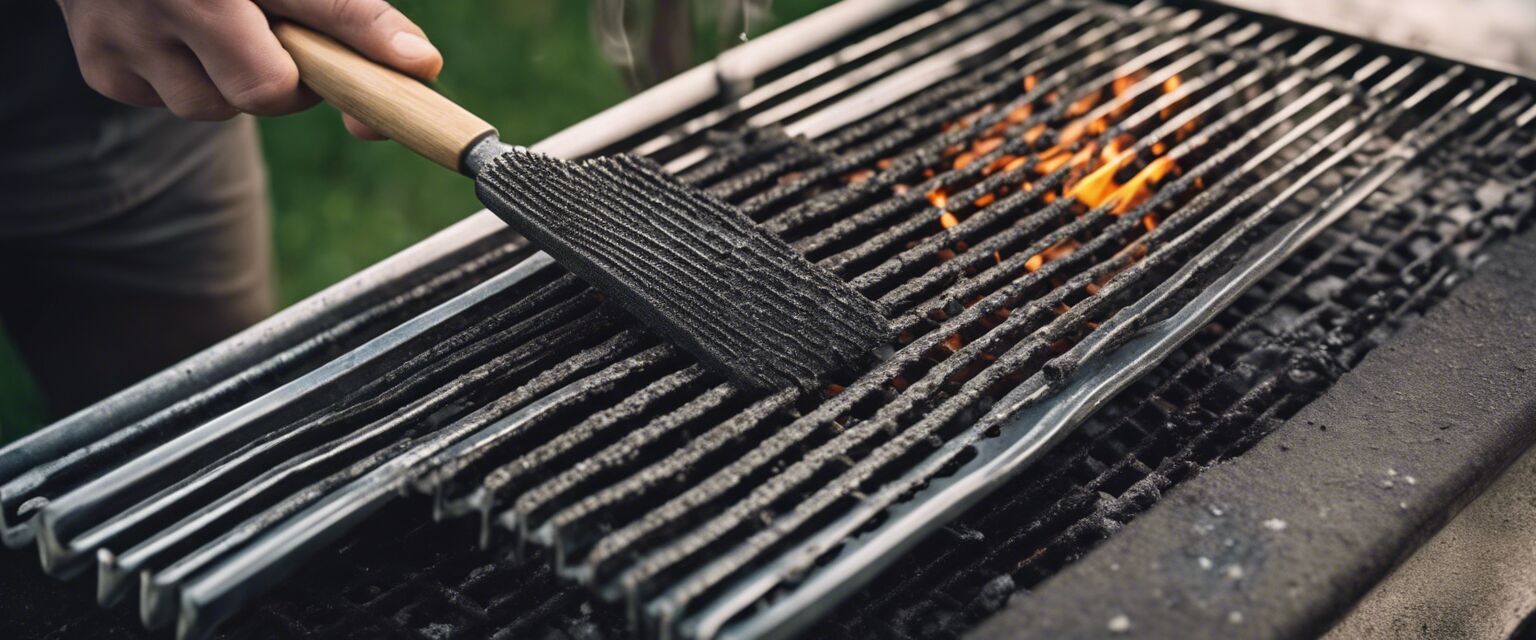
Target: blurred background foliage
<point>531,67</point>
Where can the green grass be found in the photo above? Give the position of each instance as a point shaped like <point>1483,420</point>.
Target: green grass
<point>21,408</point>
<point>528,66</point>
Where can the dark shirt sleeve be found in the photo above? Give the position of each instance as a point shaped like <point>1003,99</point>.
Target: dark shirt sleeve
<point>68,156</point>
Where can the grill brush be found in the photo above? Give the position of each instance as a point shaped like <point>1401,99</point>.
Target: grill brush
<point>687,264</point>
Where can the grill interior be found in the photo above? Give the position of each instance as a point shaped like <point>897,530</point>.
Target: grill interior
<point>1016,182</point>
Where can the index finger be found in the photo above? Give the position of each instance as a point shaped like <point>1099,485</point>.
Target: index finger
<point>233,41</point>
<point>373,27</point>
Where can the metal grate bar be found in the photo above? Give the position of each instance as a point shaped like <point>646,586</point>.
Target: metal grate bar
<point>1025,186</point>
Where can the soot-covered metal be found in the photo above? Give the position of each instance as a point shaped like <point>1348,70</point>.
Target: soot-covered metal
<point>1053,202</point>
<point>709,280</point>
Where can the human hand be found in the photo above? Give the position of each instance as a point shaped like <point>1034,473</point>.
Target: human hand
<point>212,59</point>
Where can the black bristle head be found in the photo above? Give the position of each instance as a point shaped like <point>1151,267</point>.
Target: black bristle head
<point>688,265</point>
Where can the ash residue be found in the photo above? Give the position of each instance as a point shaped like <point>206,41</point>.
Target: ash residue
<point>1286,342</point>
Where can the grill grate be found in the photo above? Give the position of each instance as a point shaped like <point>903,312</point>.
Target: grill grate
<point>1195,409</point>
<point>415,585</point>
<point>1010,181</point>
<point>1266,357</point>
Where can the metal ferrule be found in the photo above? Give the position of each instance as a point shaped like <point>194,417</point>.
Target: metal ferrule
<point>482,151</point>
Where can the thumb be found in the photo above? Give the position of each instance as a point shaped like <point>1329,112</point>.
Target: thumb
<point>373,27</point>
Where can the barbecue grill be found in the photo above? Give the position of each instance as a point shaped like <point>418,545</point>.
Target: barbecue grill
<point>1120,243</point>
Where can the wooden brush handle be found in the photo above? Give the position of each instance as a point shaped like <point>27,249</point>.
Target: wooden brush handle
<point>390,102</point>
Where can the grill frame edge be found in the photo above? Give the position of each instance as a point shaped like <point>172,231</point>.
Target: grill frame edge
<point>1325,474</point>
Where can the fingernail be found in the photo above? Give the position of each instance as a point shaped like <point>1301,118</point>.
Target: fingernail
<point>413,47</point>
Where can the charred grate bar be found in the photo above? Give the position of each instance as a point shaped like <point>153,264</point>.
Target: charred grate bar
<point>1031,189</point>
<point>1269,355</point>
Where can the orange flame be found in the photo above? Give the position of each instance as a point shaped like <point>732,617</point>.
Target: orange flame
<point>1001,163</point>
<point>1139,188</point>
<point>1099,187</point>
<point>1123,84</point>
<point>1170,85</point>
<point>979,148</point>
<point>938,198</point>
<point>1034,133</point>
<point>1063,155</point>
<point>987,145</point>
<point>1094,164</point>
<point>1051,160</point>
<point>1055,251</point>
<point>1084,104</point>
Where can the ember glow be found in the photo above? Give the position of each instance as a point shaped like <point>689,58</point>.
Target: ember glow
<point>939,199</point>
<point>1086,144</point>
<point>1056,251</point>
<point>1093,168</point>
<point>1083,134</point>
